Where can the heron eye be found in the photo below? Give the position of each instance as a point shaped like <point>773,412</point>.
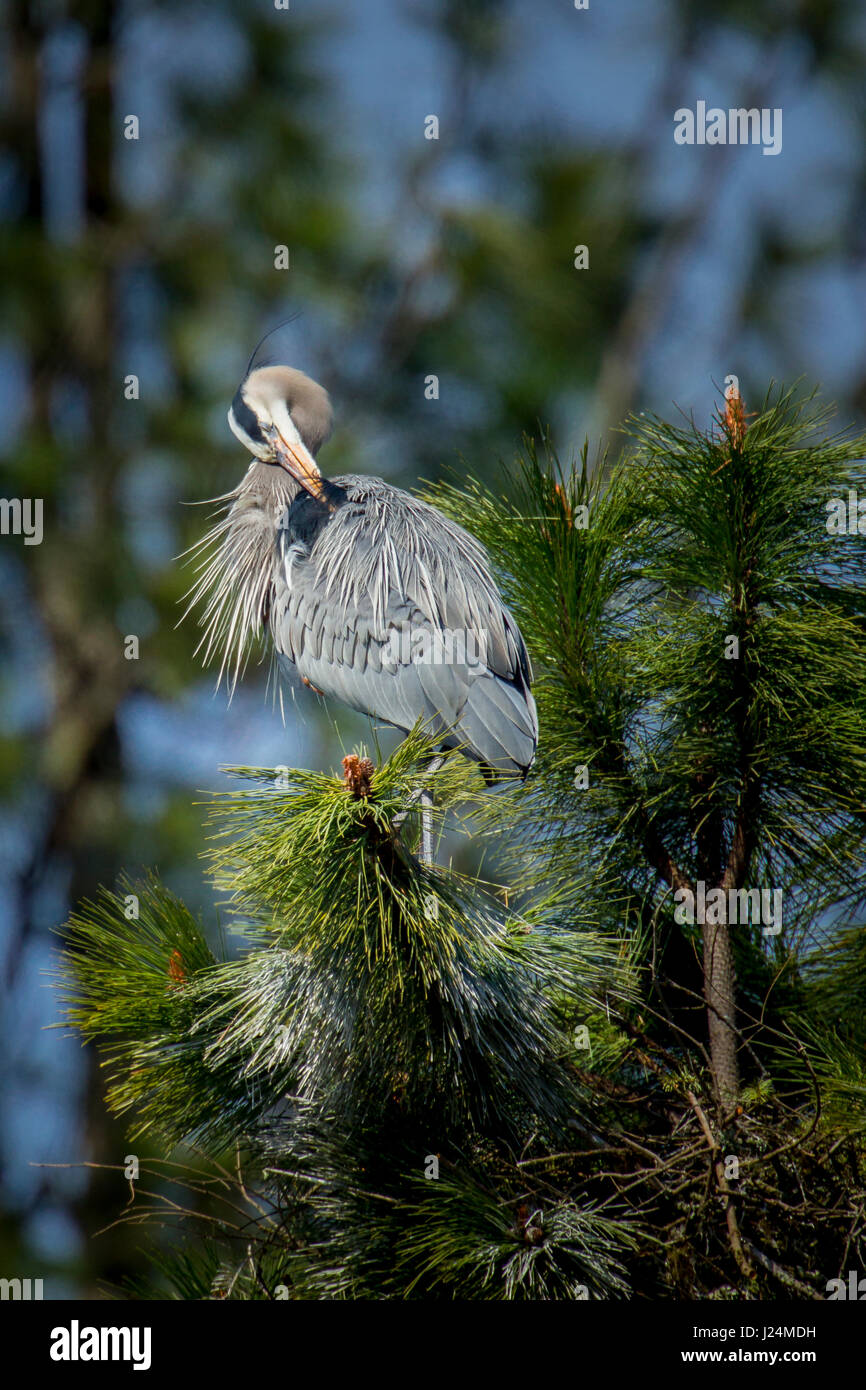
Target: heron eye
<point>247,419</point>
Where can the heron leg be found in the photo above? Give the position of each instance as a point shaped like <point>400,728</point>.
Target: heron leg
<point>424,797</point>
<point>426,800</point>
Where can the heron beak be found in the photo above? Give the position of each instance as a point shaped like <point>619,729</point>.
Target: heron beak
<point>299,462</point>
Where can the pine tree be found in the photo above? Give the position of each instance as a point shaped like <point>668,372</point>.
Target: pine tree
<point>384,1051</point>
<point>624,1071</point>
<point>698,618</point>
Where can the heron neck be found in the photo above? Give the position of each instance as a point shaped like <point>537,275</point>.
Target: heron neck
<point>272,487</point>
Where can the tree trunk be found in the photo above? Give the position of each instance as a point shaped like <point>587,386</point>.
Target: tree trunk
<point>719,994</point>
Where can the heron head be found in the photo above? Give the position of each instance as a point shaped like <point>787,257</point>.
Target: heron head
<point>283,418</point>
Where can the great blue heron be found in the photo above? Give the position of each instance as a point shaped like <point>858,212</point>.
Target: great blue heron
<point>369,594</point>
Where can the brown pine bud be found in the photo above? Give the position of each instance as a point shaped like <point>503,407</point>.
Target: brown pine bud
<point>735,414</point>
<point>357,775</point>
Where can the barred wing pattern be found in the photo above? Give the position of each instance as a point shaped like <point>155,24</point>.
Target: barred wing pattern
<point>387,605</point>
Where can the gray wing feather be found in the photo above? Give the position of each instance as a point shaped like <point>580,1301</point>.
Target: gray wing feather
<point>383,563</point>
<point>497,733</point>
